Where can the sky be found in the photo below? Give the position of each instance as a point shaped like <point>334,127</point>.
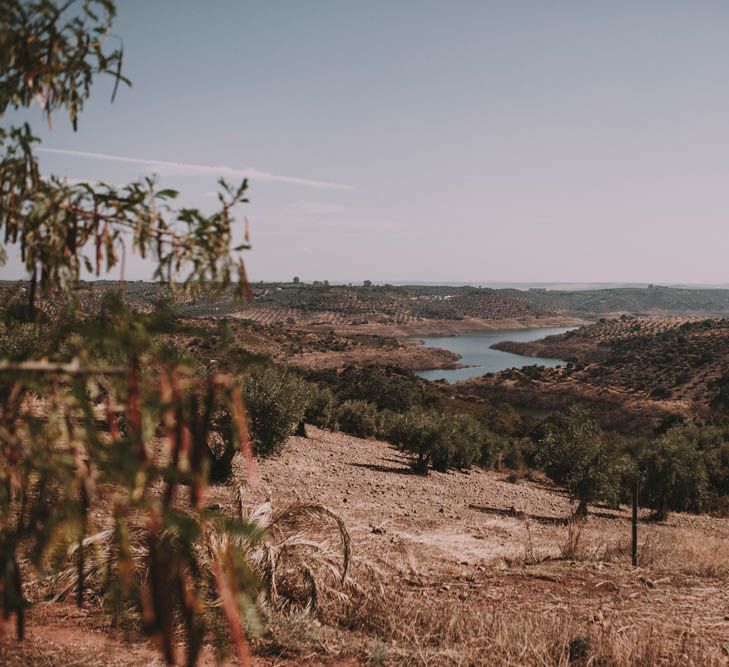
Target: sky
<point>511,141</point>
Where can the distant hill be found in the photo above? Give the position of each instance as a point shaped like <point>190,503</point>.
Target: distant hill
<point>342,305</point>
<point>646,301</point>
<point>651,367</point>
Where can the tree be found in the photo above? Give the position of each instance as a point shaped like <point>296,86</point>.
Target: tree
<point>674,472</point>
<point>418,433</point>
<point>107,390</point>
<point>425,435</point>
<point>462,439</point>
<point>389,388</point>
<point>296,280</point>
<point>358,418</point>
<point>320,406</point>
<point>575,452</point>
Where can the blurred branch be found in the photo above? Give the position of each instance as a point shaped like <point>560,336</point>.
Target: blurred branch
<point>70,368</point>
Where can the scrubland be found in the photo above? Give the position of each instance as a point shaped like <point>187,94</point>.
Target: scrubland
<point>453,568</point>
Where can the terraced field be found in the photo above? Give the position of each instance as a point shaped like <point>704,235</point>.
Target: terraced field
<point>650,301</point>
<point>341,305</point>
<point>290,304</point>
<point>384,305</point>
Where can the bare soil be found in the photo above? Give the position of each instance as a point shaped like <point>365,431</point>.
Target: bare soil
<point>472,546</point>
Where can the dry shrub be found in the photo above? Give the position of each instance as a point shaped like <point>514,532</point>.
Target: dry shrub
<point>683,551</point>
<point>573,546</point>
<point>394,624</point>
<point>301,560</point>
<point>581,544</point>
<point>660,548</point>
<point>529,557</point>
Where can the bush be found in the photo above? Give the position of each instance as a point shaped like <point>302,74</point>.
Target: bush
<point>275,400</point>
<point>358,418</point>
<point>717,466</point>
<point>518,454</point>
<point>435,440</point>
<point>420,433</point>
<point>660,392</point>
<point>389,388</point>
<point>466,439</point>
<point>320,406</point>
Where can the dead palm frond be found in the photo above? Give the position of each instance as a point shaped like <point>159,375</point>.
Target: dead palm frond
<point>296,555</point>
<point>300,555</point>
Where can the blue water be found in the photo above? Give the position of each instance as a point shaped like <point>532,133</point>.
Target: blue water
<point>476,353</point>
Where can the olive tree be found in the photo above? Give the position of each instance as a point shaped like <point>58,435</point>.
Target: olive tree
<point>575,452</point>
<point>674,472</point>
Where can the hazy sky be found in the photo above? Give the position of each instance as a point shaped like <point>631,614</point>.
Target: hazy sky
<point>418,140</point>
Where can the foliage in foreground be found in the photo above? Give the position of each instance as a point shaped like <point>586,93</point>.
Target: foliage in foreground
<point>71,430</point>
<point>87,421</point>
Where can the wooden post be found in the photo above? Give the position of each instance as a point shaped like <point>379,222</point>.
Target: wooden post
<point>634,551</point>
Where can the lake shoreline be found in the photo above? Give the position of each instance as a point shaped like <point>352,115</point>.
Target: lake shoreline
<point>480,351</point>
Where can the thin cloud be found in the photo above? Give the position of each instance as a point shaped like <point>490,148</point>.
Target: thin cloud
<point>164,166</point>
<point>319,207</point>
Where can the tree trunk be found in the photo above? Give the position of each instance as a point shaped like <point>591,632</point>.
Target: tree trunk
<point>634,526</point>
<point>582,508</point>
<point>31,295</point>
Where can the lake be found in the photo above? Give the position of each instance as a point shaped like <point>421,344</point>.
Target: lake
<point>475,350</point>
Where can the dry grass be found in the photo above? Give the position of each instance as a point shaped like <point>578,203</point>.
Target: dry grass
<point>301,556</point>
<point>296,558</point>
<point>661,549</point>
<point>413,623</point>
<point>573,547</point>
<point>424,630</point>
<point>681,551</point>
